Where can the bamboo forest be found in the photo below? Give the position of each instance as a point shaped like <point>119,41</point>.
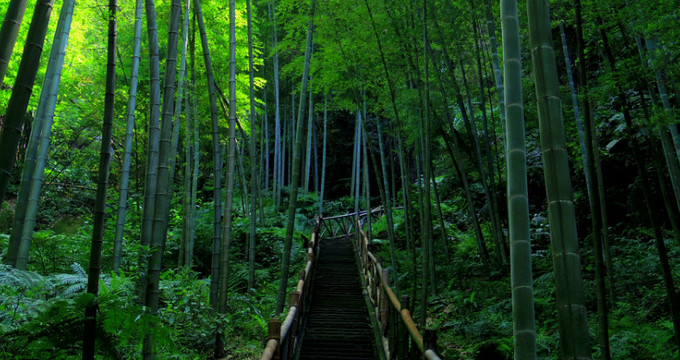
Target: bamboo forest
<point>339,179</point>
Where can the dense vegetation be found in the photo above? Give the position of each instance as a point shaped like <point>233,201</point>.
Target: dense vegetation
<point>161,164</point>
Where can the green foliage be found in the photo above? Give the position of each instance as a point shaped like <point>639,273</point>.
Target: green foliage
<point>5,218</point>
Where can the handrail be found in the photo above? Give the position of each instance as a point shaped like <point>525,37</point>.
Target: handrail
<point>343,225</point>
<point>399,332</point>
<point>400,335</point>
<point>283,336</point>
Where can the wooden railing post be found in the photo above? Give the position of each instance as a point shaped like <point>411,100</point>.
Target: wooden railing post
<point>403,338</point>
<point>294,301</point>
<point>429,340</point>
<point>384,303</point>
<point>274,333</point>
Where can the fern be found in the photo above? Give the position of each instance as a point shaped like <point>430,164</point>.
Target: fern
<point>76,282</point>
<point>20,278</point>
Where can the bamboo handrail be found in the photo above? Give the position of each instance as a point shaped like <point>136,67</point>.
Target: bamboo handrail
<point>282,337</point>
<point>372,265</point>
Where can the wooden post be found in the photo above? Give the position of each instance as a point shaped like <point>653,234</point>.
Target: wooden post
<point>430,340</point>
<point>274,333</point>
<point>294,301</point>
<point>393,330</point>
<point>384,303</point>
<point>403,338</point>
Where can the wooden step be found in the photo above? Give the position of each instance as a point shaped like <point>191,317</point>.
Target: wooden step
<point>338,326</point>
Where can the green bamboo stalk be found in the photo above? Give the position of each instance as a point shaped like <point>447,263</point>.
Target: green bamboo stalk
<point>356,170</point>
<point>495,60</point>
<point>596,207</point>
<point>323,156</point>
<point>388,207</point>
<point>45,117</point>
<point>196,154</point>
<point>295,172</point>
<point>573,320</point>
<point>253,156</point>
<point>217,160</point>
<point>127,147</point>
<point>357,131</point>
<point>186,199</point>
<point>99,222</point>
<point>161,208</point>
<point>310,121</point>
<point>278,154</point>
<point>228,201</point>
<point>152,156</point>
<point>8,33</point>
<point>21,92</point>
<point>176,122</point>
<point>25,186</point>
<point>524,329</point>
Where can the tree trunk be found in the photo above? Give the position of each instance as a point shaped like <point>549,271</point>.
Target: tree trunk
<point>99,220</point>
<point>127,147</point>
<point>38,146</point>
<point>524,328</point>
<point>153,142</point>
<point>217,160</point>
<point>308,152</point>
<point>9,32</point>
<point>163,195</point>
<point>323,155</point>
<point>388,208</point>
<point>21,92</point>
<point>426,226</point>
<point>593,192</point>
<point>295,175</point>
<point>228,201</point>
<point>44,116</point>
<point>573,320</point>
<point>253,157</point>
<point>278,154</point>
<point>491,28</point>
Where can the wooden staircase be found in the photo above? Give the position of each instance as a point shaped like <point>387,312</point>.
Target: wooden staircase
<point>338,326</point>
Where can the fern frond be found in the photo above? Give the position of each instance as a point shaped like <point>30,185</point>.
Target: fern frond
<point>77,269</point>
<point>20,278</point>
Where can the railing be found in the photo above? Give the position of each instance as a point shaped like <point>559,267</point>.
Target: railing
<point>343,225</point>
<point>283,336</point>
<point>400,336</point>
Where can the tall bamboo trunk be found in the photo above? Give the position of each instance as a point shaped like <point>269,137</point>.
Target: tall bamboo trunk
<point>278,153</point>
<point>38,146</point>
<point>21,92</point>
<point>388,207</point>
<point>593,192</point>
<point>253,157</point>
<point>310,122</point>
<point>44,116</point>
<point>153,142</point>
<point>9,32</point>
<point>99,220</point>
<point>524,328</point>
<point>573,320</point>
<point>127,147</point>
<point>163,180</point>
<point>295,173</point>
<point>228,201</point>
<point>217,160</point>
<point>323,155</point>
